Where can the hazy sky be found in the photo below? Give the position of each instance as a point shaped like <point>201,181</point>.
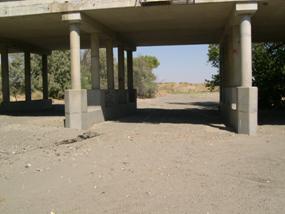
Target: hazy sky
<point>180,63</point>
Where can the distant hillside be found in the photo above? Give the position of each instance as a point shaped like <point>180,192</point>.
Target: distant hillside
<point>181,88</point>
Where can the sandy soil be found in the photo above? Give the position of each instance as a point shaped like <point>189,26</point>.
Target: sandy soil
<point>174,156</point>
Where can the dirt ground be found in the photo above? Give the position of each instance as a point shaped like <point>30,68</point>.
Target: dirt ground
<point>173,156</point>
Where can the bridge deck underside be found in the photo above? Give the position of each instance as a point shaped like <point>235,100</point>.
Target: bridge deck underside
<point>146,26</point>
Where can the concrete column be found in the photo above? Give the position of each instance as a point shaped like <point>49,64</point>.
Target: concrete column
<point>75,56</point>
<point>130,70</point>
<point>5,76</point>
<point>239,107</point>
<point>95,64</point>
<point>246,51</point>
<point>221,49</point>
<point>121,68</point>
<point>76,106</point>
<point>45,76</point>
<point>235,75</point>
<point>226,62</point>
<point>247,95</point>
<point>28,88</point>
<point>110,64</point>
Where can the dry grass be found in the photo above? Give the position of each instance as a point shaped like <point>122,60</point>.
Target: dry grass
<point>181,88</point>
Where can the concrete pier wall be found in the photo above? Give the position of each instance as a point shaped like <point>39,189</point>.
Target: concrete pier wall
<point>85,108</point>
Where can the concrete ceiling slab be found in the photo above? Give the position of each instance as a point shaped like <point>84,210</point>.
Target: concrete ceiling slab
<point>147,26</point>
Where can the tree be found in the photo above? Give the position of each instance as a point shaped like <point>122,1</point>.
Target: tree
<point>86,67</point>
<point>16,73</point>
<point>36,72</point>
<point>59,73</point>
<point>268,72</point>
<point>213,59</point>
<point>144,78</point>
<point>60,76</point>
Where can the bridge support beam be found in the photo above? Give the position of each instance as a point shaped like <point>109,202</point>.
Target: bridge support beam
<point>75,98</point>
<point>28,81</point>
<point>45,75</point>
<point>110,64</point>
<point>121,68</point>
<point>238,97</point>
<point>132,94</point>
<point>130,71</point>
<point>5,76</point>
<point>247,95</point>
<point>75,56</point>
<point>95,64</point>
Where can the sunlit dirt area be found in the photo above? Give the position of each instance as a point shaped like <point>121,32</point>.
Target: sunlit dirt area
<point>174,156</point>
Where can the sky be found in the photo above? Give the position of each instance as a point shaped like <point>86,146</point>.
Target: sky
<point>180,63</point>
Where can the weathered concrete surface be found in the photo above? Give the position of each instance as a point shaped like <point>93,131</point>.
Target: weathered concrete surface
<point>247,110</point>
<point>228,107</point>
<point>84,108</point>
<point>117,103</point>
<point>238,99</point>
<point>200,23</point>
<point>28,7</point>
<point>239,109</point>
<point>76,109</point>
<point>158,161</point>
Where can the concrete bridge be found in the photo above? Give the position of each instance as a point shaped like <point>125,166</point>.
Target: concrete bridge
<point>40,26</point>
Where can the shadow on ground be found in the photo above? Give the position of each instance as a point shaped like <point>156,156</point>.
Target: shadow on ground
<point>54,111</point>
<point>207,105</point>
<point>191,115</point>
<point>206,114</point>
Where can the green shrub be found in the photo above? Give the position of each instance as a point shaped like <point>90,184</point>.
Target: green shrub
<point>144,77</point>
<point>268,72</point>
